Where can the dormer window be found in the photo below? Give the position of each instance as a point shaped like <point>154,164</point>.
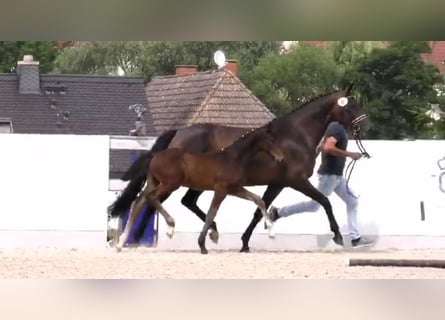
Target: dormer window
<point>6,126</point>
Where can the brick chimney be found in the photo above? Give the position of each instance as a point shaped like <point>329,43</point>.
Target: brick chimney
<point>29,75</point>
<point>232,65</point>
<point>186,69</point>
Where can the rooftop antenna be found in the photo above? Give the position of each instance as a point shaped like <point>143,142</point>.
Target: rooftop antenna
<point>220,59</point>
<point>139,110</point>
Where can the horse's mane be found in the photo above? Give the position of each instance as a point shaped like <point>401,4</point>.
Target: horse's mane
<point>263,127</point>
<point>311,100</point>
<point>253,131</point>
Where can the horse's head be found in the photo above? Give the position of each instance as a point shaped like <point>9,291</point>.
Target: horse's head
<point>348,111</point>
<point>267,144</point>
<point>257,140</point>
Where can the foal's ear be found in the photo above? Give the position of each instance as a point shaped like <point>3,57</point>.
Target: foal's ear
<point>267,145</point>
<point>272,124</point>
<point>276,153</point>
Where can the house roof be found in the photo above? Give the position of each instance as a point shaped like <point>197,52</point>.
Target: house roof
<point>204,97</point>
<point>91,105</point>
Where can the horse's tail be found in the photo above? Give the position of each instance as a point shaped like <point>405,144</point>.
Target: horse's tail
<point>137,174</point>
<point>140,166</point>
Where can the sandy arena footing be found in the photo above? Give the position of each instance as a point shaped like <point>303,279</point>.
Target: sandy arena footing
<point>149,263</point>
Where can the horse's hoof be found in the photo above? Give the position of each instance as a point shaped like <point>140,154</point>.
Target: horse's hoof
<point>170,232</point>
<point>338,239</point>
<point>118,249</point>
<point>214,236</point>
<point>204,251</point>
<point>245,249</point>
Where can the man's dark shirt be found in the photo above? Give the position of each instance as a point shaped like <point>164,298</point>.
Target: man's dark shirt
<point>332,164</point>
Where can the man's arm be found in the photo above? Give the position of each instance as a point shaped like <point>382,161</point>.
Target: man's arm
<point>330,148</point>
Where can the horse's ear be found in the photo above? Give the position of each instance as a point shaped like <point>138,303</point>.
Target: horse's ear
<point>349,89</point>
<point>271,125</point>
<point>276,152</point>
<point>267,145</point>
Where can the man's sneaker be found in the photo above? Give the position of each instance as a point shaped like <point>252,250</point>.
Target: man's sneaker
<point>272,213</point>
<point>361,242</point>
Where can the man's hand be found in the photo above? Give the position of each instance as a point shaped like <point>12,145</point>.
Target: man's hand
<point>355,155</point>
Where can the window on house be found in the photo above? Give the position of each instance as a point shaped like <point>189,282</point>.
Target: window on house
<point>5,126</point>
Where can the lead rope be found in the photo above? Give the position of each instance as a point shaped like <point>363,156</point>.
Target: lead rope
<point>442,175</point>
<point>351,164</point>
<point>348,176</point>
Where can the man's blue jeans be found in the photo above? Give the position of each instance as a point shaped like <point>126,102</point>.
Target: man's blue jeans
<point>326,185</point>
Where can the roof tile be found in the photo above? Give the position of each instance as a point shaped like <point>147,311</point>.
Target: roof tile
<point>204,97</point>
<point>97,105</point>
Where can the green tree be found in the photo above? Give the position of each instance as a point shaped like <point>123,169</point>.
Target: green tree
<point>434,118</point>
<point>99,57</point>
<point>396,88</point>
<point>151,58</point>
<point>13,51</point>
<point>347,54</point>
<point>283,82</point>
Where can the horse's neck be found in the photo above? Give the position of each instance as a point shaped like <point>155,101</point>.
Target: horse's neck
<point>311,123</point>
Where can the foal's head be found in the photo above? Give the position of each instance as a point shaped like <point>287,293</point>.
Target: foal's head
<point>266,141</point>
<point>257,140</point>
<point>348,111</point>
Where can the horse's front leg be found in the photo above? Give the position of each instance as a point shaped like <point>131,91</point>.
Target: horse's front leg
<point>243,193</point>
<point>305,186</point>
<point>189,200</point>
<point>218,197</point>
<point>269,195</point>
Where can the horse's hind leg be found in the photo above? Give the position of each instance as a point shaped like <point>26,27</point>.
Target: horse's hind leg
<point>218,197</point>
<point>151,210</point>
<point>247,195</point>
<point>189,200</point>
<point>155,199</point>
<point>135,210</point>
<point>305,187</point>
<point>152,185</point>
<point>168,219</point>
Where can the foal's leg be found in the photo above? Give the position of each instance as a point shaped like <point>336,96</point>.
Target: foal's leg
<point>168,219</point>
<point>218,197</point>
<point>189,200</point>
<point>155,199</point>
<point>246,194</point>
<point>135,210</point>
<point>306,187</point>
<point>269,195</point>
<point>152,186</point>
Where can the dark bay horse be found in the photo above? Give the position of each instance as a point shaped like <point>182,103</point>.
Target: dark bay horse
<point>225,172</point>
<point>299,134</point>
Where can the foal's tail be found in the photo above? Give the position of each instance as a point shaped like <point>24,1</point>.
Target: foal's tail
<point>137,174</point>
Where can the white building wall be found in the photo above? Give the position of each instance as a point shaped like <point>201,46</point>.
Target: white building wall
<point>54,190</point>
<point>390,185</point>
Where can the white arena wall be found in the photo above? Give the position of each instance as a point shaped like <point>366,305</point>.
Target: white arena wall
<point>54,190</point>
